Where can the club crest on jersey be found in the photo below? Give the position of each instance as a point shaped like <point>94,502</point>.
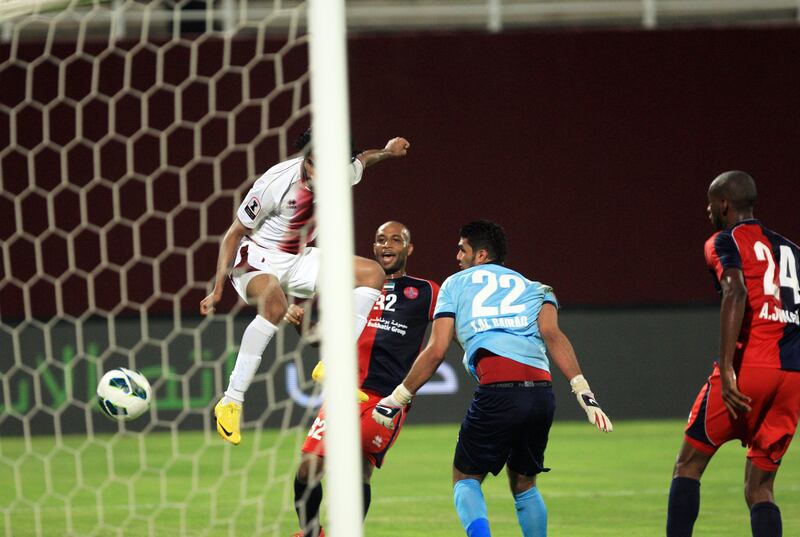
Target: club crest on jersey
<point>411,292</point>
<point>388,286</point>
<point>252,208</point>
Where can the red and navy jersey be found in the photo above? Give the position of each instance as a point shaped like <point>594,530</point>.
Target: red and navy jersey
<point>395,331</point>
<point>770,263</point>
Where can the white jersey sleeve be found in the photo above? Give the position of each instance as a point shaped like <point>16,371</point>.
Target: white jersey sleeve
<point>265,195</point>
<point>356,171</point>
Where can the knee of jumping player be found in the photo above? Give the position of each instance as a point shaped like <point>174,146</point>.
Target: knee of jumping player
<point>369,273</point>
<point>268,296</point>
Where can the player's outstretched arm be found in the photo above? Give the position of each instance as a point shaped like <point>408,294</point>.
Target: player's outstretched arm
<point>734,299</point>
<point>423,369</point>
<point>563,355</point>
<point>396,147</point>
<point>227,252</point>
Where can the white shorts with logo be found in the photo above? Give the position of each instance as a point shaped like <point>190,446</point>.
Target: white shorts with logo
<point>297,273</point>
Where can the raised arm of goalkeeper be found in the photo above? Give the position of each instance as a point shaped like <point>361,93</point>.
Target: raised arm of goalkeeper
<point>563,356</point>
<point>426,364</point>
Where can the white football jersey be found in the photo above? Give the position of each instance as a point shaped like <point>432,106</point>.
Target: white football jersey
<point>279,208</point>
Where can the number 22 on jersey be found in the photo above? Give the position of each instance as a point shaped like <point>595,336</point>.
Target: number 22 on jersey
<point>491,281</point>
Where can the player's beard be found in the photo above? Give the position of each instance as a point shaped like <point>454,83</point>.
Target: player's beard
<point>398,265</point>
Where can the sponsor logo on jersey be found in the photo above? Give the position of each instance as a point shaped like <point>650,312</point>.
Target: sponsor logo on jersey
<point>411,292</point>
<point>252,208</point>
<point>291,204</point>
<point>377,441</point>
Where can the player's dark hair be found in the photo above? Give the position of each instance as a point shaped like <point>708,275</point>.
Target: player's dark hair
<point>303,141</point>
<point>739,188</point>
<point>486,235</point>
<point>303,144</point>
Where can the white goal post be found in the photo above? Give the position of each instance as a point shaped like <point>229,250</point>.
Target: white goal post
<point>331,120</point>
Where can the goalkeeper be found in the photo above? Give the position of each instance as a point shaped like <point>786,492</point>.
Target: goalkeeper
<point>386,349</point>
<point>508,326</point>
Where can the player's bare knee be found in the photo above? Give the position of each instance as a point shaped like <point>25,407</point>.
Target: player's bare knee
<point>311,469</point>
<point>758,485</point>
<point>691,467</point>
<point>458,475</point>
<point>261,285</point>
<point>369,273</point>
<point>269,298</point>
<point>274,308</point>
<point>757,493</point>
<point>519,483</point>
<point>367,469</point>
<point>690,463</point>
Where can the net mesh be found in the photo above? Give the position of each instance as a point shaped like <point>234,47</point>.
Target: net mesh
<point>129,133</point>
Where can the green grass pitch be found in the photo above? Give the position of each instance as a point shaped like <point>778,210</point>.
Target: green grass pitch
<point>162,484</point>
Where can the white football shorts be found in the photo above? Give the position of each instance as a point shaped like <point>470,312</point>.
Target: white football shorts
<point>297,273</point>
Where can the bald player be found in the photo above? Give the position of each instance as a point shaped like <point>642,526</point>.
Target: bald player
<point>386,349</point>
<point>753,393</point>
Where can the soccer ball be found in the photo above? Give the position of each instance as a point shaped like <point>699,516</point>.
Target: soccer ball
<point>123,394</point>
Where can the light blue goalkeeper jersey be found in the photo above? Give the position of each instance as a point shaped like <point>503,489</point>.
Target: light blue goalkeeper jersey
<point>496,308</point>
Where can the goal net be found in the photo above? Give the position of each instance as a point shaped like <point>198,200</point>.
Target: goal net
<point>129,133</point>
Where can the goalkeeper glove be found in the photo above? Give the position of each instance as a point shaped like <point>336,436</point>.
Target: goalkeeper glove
<point>389,407</point>
<point>589,404</point>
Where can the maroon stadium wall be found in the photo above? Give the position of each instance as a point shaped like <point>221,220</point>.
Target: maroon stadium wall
<point>593,148</point>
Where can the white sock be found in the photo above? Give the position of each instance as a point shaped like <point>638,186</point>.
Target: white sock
<point>255,339</point>
<point>364,298</point>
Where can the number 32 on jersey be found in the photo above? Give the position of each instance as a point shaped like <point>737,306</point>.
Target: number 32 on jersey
<point>385,302</point>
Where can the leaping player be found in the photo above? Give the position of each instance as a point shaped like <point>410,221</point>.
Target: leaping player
<point>268,239</point>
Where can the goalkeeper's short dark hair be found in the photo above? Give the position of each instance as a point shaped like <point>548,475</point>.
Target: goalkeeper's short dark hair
<point>486,235</point>
<point>303,144</point>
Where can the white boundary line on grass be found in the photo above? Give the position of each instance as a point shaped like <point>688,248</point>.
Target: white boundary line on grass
<point>438,497</point>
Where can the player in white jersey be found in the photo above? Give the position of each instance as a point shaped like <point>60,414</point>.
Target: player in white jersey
<point>268,240</point>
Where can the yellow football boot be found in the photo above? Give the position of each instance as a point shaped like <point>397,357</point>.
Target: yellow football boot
<point>228,417</point>
<point>318,373</point>
<point>318,376</point>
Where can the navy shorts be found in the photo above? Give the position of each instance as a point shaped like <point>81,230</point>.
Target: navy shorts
<point>506,424</point>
